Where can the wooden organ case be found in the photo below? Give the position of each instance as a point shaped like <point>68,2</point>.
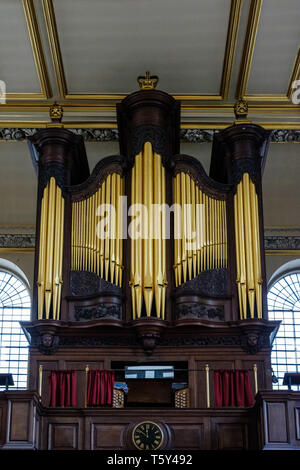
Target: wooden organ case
<point>192,293</point>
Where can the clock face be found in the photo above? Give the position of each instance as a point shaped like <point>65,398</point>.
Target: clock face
<point>147,436</point>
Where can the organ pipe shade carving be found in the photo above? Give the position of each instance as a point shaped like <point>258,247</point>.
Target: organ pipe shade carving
<point>200,230</point>
<point>148,279</point>
<point>97,247</point>
<point>247,243</point>
<point>51,252</point>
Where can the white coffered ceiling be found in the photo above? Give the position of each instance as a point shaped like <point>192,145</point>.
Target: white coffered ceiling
<point>86,54</point>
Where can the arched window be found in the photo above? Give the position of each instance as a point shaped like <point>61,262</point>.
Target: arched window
<point>284,305</point>
<point>14,307</point>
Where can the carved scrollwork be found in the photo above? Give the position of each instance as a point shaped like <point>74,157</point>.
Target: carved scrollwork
<point>213,282</point>
<point>194,310</point>
<point>155,135</point>
<point>84,283</point>
<point>98,312</point>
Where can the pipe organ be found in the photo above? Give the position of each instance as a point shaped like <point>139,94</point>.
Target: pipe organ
<point>149,244</point>
<point>148,261</point>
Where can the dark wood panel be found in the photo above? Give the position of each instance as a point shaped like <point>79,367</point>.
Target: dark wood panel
<point>19,421</point>
<point>106,436</point>
<point>232,436</point>
<point>187,436</point>
<point>63,436</point>
<point>297,419</point>
<point>276,422</point>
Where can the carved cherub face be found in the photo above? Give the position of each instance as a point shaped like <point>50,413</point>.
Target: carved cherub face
<point>252,339</point>
<point>47,340</point>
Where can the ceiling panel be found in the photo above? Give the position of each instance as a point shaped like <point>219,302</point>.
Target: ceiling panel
<point>276,47</point>
<point>17,65</point>
<point>106,44</point>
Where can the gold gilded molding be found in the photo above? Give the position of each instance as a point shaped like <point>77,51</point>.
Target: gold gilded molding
<point>17,250</point>
<point>252,26</point>
<point>38,55</point>
<point>53,37</point>
<point>283,252</point>
<point>113,125</point>
<point>249,45</point>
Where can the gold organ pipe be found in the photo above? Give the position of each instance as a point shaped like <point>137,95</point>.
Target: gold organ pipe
<point>117,228</point>
<point>107,235</point>
<point>188,225</point>
<point>83,239</point>
<point>73,237</point>
<point>50,244</point>
<point>56,253</point>
<point>206,237</point>
<point>147,241</point>
<point>184,227</point>
<point>76,234</point>
<point>248,246</point>
<point>214,237</point>
<point>102,240</point>
<point>175,231</point>
<point>225,232</point>
<point>90,233</point>
<point>201,229</point>
<point>218,234</point>
<point>42,252</point>
<point>97,204</point>
<point>243,273</point>
<point>179,228</point>
<point>133,246</point>
<point>193,202</point>
<point>79,266</point>
<point>139,255</point>
<point>121,235</point>
<point>62,218</point>
<point>157,240</point>
<point>113,238</point>
<point>256,248</point>
<point>238,256</point>
<point>93,232</point>
<point>197,229</point>
<point>163,241</point>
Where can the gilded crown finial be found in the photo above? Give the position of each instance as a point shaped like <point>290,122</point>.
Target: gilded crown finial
<point>241,109</point>
<point>147,81</point>
<point>56,112</point>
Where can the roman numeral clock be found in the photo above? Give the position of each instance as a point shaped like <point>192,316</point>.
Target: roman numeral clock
<point>148,435</point>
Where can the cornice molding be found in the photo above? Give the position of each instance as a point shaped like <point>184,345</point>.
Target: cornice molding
<point>272,243</point>
<point>189,135</point>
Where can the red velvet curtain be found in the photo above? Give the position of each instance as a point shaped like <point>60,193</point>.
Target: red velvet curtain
<point>62,388</point>
<point>233,388</point>
<point>100,387</point>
